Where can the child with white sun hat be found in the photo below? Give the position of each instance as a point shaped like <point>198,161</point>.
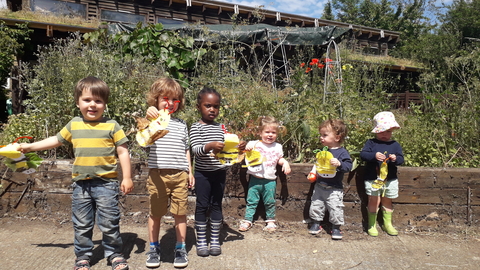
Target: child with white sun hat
<point>382,156</point>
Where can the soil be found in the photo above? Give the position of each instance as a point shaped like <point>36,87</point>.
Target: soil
<point>46,242</point>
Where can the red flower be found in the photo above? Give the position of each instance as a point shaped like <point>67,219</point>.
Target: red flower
<point>302,65</point>
<point>328,60</point>
<point>314,62</point>
<point>320,65</point>
<point>308,70</point>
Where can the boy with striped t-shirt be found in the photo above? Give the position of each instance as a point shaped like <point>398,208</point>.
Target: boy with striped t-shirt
<point>170,171</point>
<point>95,140</point>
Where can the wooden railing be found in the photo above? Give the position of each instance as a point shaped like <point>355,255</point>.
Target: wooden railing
<point>403,100</point>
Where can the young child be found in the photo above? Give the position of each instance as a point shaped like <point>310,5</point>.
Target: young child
<point>170,171</point>
<point>95,140</point>
<point>263,177</point>
<point>207,137</point>
<point>328,190</point>
<point>375,152</point>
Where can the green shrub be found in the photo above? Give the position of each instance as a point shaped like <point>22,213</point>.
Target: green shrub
<point>50,84</point>
<point>442,132</point>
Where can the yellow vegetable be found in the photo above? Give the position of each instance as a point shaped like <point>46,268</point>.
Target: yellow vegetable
<point>253,158</point>
<point>11,151</point>
<point>323,166</point>
<point>151,130</point>
<point>383,172</point>
<point>230,153</point>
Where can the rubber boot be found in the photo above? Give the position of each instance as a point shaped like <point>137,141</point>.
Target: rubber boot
<point>202,246</point>
<point>372,224</point>
<point>387,223</point>
<point>215,226</point>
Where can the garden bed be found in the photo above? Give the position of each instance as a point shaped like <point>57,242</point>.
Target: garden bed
<point>430,198</point>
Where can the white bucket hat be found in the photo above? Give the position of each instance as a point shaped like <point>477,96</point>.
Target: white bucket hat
<point>384,121</point>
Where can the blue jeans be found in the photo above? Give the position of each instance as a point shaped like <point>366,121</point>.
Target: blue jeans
<point>209,187</point>
<point>96,200</point>
<point>264,189</point>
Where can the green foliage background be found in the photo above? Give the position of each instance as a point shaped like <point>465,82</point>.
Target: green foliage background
<point>443,132</point>
<point>51,82</point>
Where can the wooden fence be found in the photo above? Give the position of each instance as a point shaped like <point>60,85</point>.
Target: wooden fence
<point>403,100</point>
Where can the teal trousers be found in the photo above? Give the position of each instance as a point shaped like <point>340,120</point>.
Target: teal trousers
<point>259,188</point>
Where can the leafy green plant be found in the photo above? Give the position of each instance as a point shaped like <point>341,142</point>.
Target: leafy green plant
<point>157,46</point>
<point>13,41</point>
<point>51,82</point>
<point>441,132</point>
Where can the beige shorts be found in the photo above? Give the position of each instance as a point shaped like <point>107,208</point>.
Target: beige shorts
<point>167,187</point>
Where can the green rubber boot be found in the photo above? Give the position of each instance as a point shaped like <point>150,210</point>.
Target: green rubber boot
<point>372,224</point>
<point>387,223</point>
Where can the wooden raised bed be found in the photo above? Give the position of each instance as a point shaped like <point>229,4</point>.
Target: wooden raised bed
<point>429,197</point>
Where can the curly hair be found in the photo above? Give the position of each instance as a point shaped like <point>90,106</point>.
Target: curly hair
<point>165,87</point>
<point>337,126</point>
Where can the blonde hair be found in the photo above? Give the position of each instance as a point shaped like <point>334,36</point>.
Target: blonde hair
<point>337,126</point>
<point>264,121</point>
<point>165,87</point>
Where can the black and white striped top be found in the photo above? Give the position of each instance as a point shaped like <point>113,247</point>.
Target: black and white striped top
<point>200,135</point>
<point>169,152</point>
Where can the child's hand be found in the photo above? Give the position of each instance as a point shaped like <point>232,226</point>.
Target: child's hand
<point>393,157</point>
<point>286,168</point>
<point>126,186</point>
<point>312,177</point>
<point>335,162</point>
<point>380,157</point>
<point>23,147</point>
<point>191,180</point>
<point>241,145</point>
<point>215,147</point>
<point>250,145</point>
<point>152,112</point>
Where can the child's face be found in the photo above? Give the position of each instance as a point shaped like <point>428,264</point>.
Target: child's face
<point>329,138</point>
<point>209,107</point>
<point>91,107</point>
<point>384,136</point>
<point>269,134</point>
<point>168,103</point>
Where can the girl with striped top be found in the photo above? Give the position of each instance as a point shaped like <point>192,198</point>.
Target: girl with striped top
<point>207,139</point>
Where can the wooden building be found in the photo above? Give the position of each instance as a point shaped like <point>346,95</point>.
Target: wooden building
<point>365,39</point>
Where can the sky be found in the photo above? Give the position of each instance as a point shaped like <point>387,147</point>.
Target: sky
<point>310,8</point>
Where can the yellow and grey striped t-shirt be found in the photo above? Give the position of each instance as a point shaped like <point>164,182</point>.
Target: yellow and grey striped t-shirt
<point>94,146</point>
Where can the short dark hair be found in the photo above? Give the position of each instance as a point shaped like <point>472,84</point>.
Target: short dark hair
<point>207,90</point>
<point>98,88</point>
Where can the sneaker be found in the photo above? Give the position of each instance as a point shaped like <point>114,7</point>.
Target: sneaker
<point>181,258</point>
<point>336,233</point>
<point>153,258</point>
<point>315,228</point>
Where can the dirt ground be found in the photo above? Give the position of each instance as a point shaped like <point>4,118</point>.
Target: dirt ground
<point>47,243</point>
